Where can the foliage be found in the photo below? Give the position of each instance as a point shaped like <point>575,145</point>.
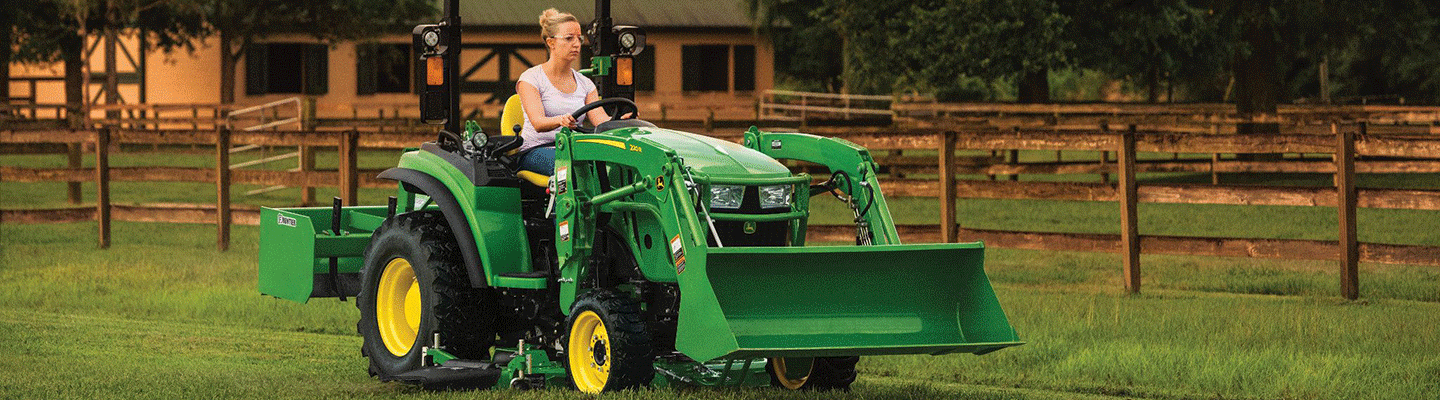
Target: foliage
<point>330,21</point>
<point>805,46</point>
<point>1271,49</point>
<point>42,25</point>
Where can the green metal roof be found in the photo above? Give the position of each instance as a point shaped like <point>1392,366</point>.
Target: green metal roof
<point>644,13</point>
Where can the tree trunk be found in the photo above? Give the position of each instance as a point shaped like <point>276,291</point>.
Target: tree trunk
<point>227,69</point>
<point>112,81</point>
<point>7,23</point>
<point>71,48</point>
<point>1257,86</point>
<point>1035,86</point>
<point>1152,80</point>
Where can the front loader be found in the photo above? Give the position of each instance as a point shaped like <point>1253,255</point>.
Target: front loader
<point>650,257</point>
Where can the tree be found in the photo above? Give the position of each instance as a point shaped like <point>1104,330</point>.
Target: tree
<point>240,22</point>
<point>950,48</point>
<point>1021,40</point>
<point>1149,40</point>
<point>54,30</point>
<point>806,48</point>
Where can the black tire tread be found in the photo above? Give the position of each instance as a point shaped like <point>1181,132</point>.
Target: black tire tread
<point>632,364</point>
<point>464,316</point>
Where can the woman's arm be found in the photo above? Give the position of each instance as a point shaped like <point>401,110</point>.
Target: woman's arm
<point>597,115</point>
<point>535,110</point>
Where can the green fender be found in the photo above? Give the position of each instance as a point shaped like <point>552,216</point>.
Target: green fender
<point>485,219</point>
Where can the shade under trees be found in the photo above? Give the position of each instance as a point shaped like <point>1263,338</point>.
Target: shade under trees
<point>1255,53</point>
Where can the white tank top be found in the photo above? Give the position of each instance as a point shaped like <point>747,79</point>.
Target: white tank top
<point>555,103</point>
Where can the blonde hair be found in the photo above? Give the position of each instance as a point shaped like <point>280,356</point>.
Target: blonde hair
<point>550,20</point>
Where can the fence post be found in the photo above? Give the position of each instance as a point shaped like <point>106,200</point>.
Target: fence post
<point>948,230</point>
<point>1214,157</point>
<point>72,153</point>
<point>349,182</point>
<point>1104,155</point>
<point>306,153</point>
<point>1345,191</point>
<point>1015,161</point>
<point>102,185</point>
<point>222,188</point>
<point>1129,230</point>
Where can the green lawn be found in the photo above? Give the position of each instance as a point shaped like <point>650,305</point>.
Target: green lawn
<point>162,314</point>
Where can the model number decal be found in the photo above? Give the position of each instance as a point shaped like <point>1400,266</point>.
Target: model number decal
<point>284,220</point>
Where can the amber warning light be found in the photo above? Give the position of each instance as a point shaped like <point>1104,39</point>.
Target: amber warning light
<point>624,71</point>
<point>435,71</point>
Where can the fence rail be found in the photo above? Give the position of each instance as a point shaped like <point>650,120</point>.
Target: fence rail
<point>1344,144</point>
<point>1342,150</point>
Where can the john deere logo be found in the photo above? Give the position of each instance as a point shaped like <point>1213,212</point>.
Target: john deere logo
<point>749,227</point>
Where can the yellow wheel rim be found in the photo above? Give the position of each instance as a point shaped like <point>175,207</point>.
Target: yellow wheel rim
<point>792,380</point>
<point>397,307</point>
<point>589,353</point>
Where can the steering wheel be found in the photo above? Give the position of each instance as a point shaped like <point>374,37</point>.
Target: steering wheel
<point>622,105</point>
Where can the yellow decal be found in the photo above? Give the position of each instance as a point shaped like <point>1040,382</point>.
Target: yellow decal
<point>616,144</point>
<point>635,148</point>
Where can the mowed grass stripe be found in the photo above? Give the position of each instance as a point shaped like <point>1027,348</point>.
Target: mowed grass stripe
<point>86,356</point>
<point>100,357</point>
<point>1189,345</point>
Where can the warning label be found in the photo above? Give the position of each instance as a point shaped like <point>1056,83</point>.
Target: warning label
<point>677,251</point>
<point>560,177</point>
<point>564,230</point>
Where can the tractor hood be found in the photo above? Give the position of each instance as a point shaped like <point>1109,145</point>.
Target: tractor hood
<point>708,155</point>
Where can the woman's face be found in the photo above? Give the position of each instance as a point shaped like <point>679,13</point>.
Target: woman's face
<point>565,44</point>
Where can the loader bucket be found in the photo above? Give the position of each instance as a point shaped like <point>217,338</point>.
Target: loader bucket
<point>841,301</point>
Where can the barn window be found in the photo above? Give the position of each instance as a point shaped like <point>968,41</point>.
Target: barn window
<point>286,68</point>
<point>705,68</point>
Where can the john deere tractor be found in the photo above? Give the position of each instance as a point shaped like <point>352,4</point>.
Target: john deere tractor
<point>650,257</point>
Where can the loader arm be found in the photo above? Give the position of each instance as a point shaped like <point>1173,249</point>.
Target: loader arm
<point>658,191</point>
<point>839,156</point>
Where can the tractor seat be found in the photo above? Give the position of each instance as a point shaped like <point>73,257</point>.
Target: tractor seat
<point>511,122</point>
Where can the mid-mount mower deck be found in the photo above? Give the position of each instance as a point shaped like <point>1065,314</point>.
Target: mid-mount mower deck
<point>651,256</point>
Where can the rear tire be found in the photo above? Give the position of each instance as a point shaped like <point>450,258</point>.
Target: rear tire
<point>414,285</point>
<point>825,373</point>
<point>607,347</point>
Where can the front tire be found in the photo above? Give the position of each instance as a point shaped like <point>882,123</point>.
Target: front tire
<point>607,347</point>
<point>414,285</point>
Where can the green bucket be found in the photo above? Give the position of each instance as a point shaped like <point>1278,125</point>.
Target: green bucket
<point>841,301</point>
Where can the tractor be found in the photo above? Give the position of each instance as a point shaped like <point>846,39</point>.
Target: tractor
<point>650,257</point>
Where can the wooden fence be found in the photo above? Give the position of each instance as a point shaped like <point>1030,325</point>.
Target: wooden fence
<point>347,177</point>
<point>1342,145</point>
<point>1346,142</point>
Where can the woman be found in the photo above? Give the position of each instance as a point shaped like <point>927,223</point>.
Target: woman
<point>549,92</point>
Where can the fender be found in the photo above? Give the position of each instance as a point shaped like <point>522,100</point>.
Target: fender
<point>416,181</point>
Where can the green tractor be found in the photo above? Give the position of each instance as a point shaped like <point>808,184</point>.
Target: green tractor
<point>651,257</point>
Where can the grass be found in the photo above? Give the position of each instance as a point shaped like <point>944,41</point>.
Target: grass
<point>162,314</point>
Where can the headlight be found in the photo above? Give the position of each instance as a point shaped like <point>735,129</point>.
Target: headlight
<point>726,196</point>
<point>777,196</point>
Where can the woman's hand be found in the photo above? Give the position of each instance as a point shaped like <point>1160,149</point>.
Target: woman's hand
<point>565,120</point>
